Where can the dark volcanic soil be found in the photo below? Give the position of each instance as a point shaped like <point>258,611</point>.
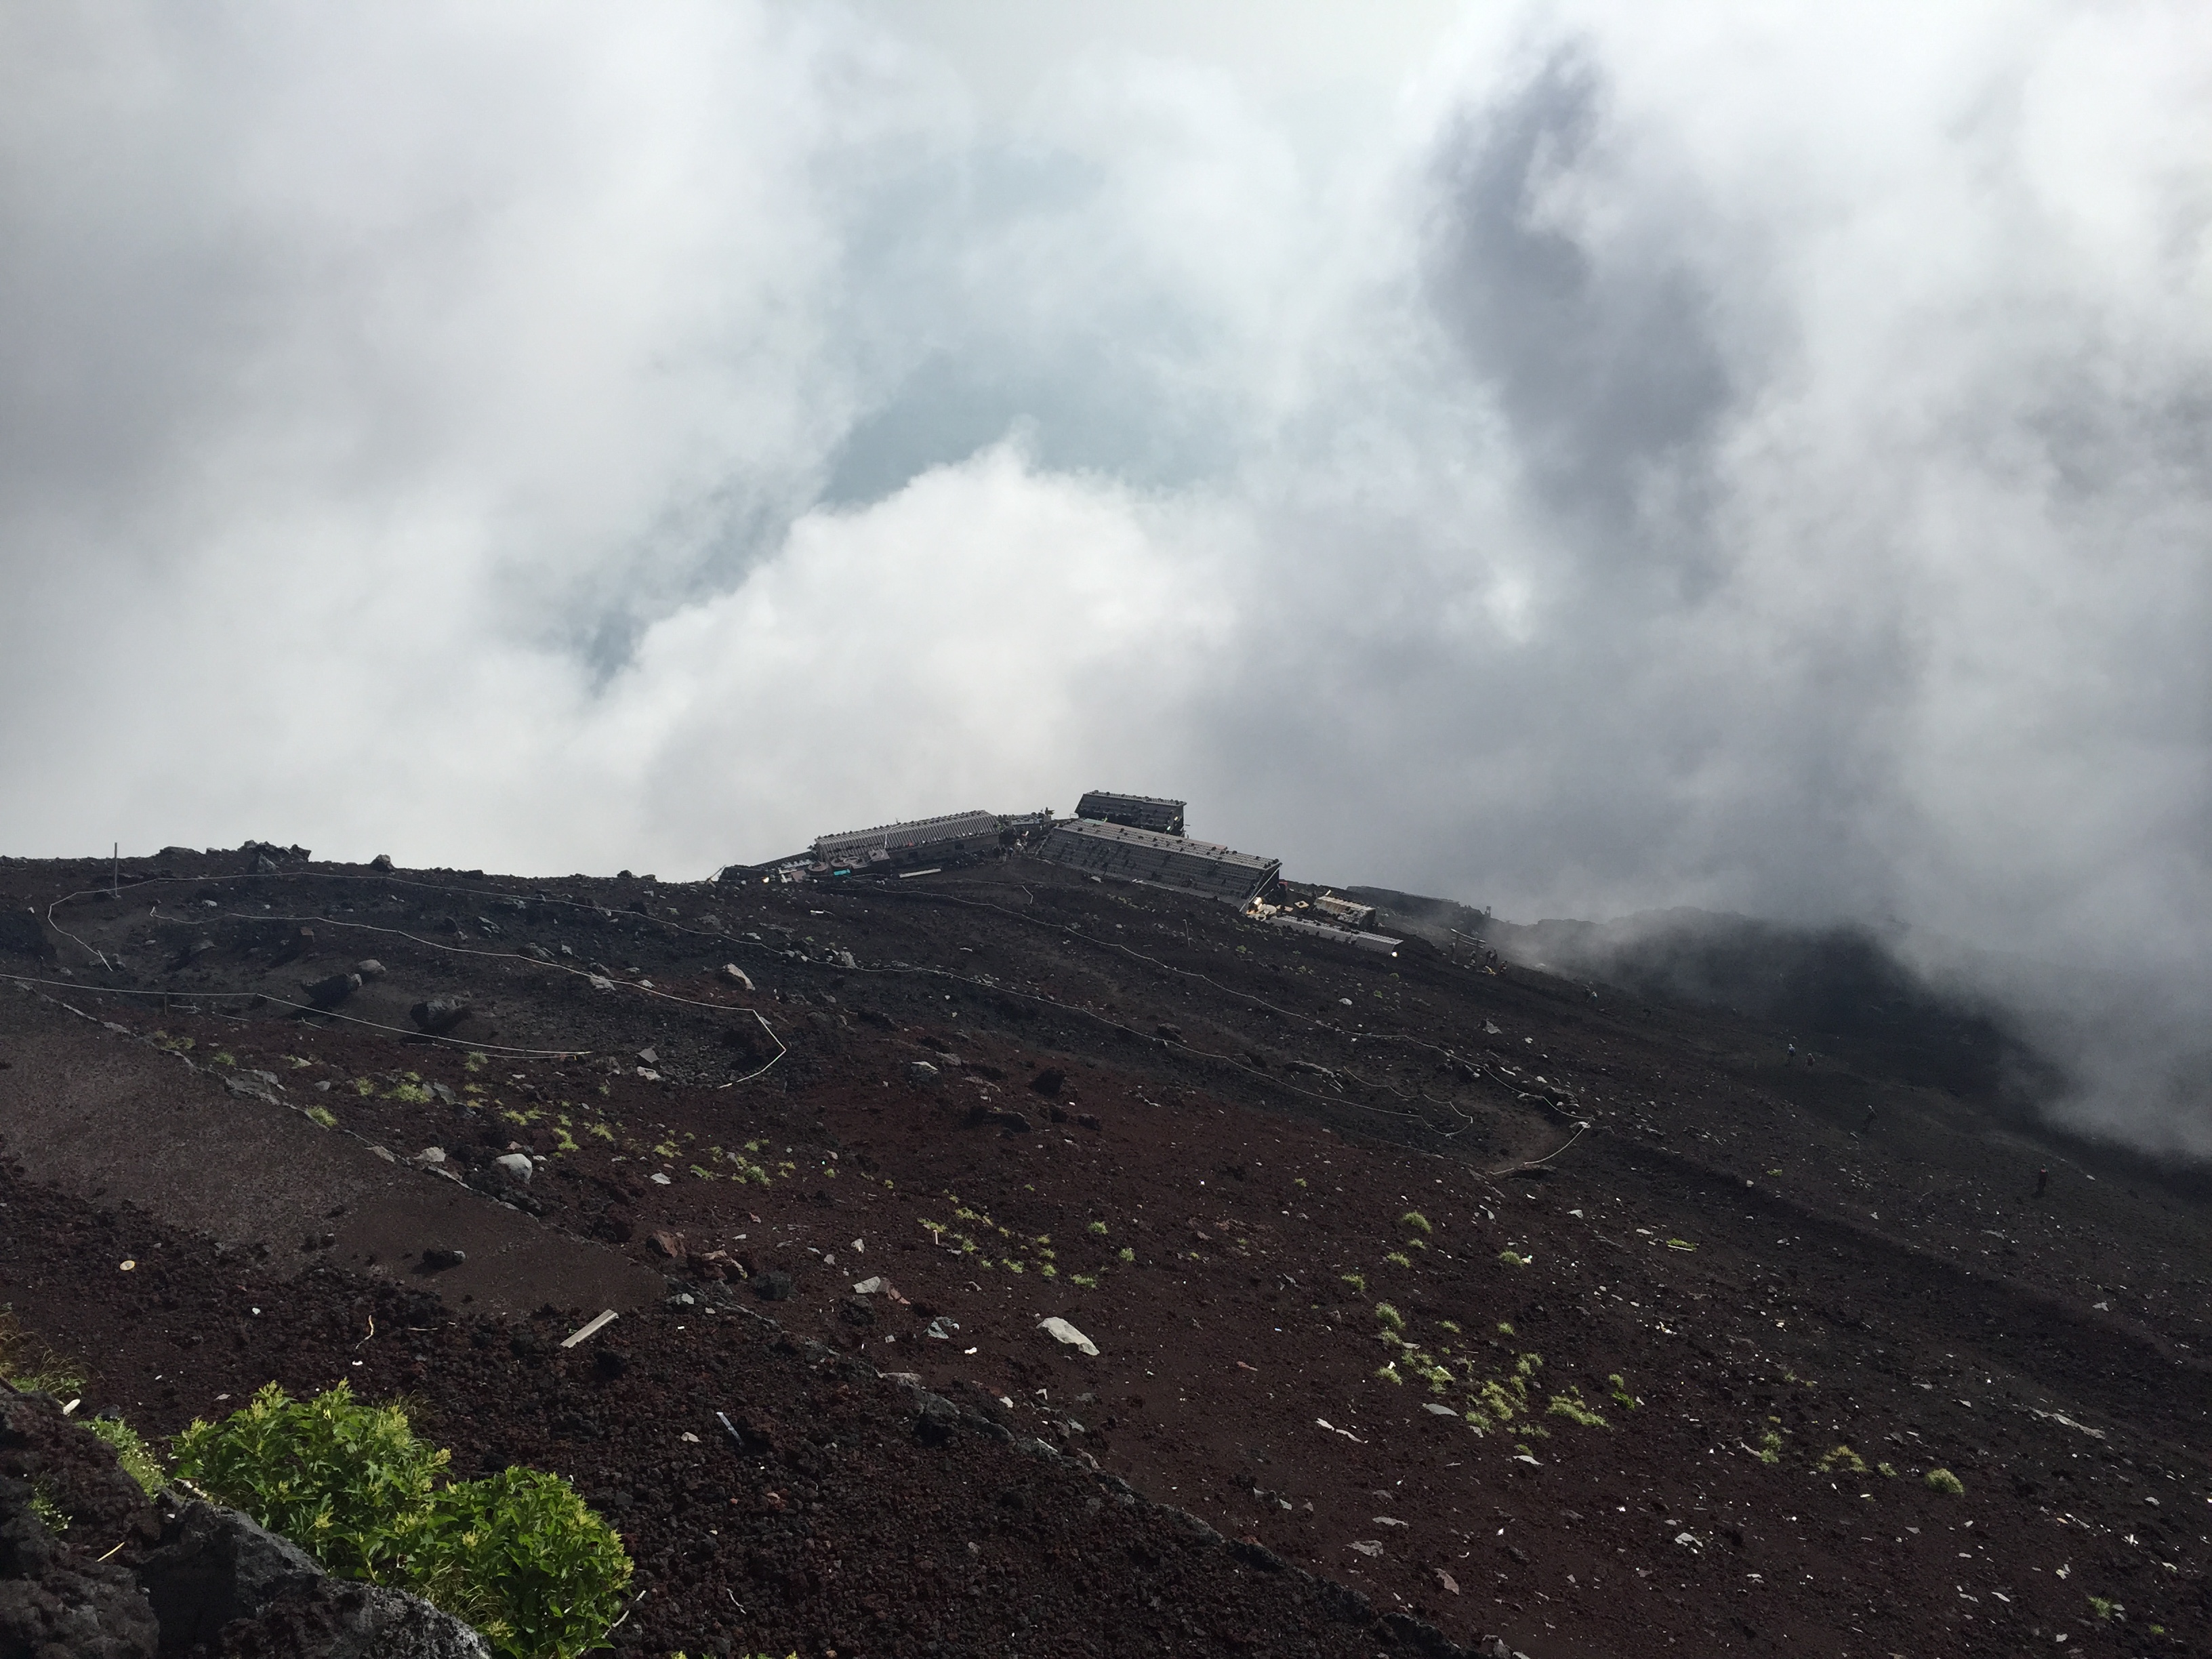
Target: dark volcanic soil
<point>1673,1388</point>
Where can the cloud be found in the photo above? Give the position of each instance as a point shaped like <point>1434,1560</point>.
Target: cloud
<point>1661,457</point>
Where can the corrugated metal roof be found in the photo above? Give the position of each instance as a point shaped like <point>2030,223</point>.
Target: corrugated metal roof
<point>1132,855</point>
<point>917,832</point>
<point>1153,812</point>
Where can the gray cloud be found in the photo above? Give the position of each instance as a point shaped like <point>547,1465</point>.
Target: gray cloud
<point>1660,460</point>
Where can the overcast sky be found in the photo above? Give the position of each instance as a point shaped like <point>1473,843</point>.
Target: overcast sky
<point>1576,459</point>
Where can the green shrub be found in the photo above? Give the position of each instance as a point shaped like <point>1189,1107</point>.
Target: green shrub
<point>1572,1407</point>
<point>1356,1281</point>
<point>1125,1254</point>
<point>1390,1316</point>
<point>136,1456</point>
<point>1512,1259</point>
<point>1944,1482</point>
<point>343,1480</point>
<point>1416,1221</point>
<point>1842,1459</point>
<point>519,1556</point>
<point>1399,1258</point>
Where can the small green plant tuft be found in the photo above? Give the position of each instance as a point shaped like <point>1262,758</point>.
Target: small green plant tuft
<point>1511,1259</point>
<point>1944,1482</point>
<point>1417,1221</point>
<point>1098,1227</point>
<point>1083,1280</point>
<point>1388,1373</point>
<point>1390,1316</point>
<point>1842,1460</point>
<point>1125,1254</point>
<point>1621,1396</point>
<point>135,1457</point>
<point>2105,1608</point>
<point>1504,1329</point>
<point>50,1513</point>
<point>1357,1281</point>
<point>322,1117</point>
<point>1769,1448</point>
<point>1450,1325</point>
<point>1399,1258</point>
<point>32,1366</point>
<point>1888,1471</point>
<point>1571,1406</point>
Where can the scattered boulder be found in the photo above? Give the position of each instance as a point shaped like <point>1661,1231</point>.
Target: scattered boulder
<point>1050,1081</point>
<point>774,1286</point>
<point>381,861</point>
<point>923,1072</point>
<point>22,934</point>
<point>649,1057</point>
<point>214,1565</point>
<point>1013,1122</point>
<point>938,1420</point>
<point>736,976</point>
<point>368,968</point>
<point>337,1619</point>
<point>439,1015</point>
<point>515,1166</point>
<point>442,1257</point>
<point>1060,1331</point>
<point>332,991</point>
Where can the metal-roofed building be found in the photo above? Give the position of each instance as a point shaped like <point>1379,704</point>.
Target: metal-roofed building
<point>923,841</point>
<point>1161,818</point>
<point>1131,854</point>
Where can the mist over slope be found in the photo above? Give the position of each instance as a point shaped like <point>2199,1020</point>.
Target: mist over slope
<point>2084,1051</point>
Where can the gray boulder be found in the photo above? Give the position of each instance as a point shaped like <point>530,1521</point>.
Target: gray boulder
<point>439,1015</point>
<point>220,1579</point>
<point>214,1565</point>
<point>329,992</point>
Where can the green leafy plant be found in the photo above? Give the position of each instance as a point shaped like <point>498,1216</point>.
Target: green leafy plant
<point>1887,1470</point>
<point>51,1515</point>
<point>1769,1448</point>
<point>1844,1459</point>
<point>2105,1608</point>
<point>322,1117</point>
<point>135,1457</point>
<point>1417,1221</point>
<point>519,1556</point>
<point>1618,1390</point>
<point>1098,1227</point>
<point>1399,1258</point>
<point>341,1480</point>
<point>1390,1316</point>
<point>1388,1372</point>
<point>1357,1281</point>
<point>1125,1254</point>
<point>1944,1482</point>
<point>1512,1259</point>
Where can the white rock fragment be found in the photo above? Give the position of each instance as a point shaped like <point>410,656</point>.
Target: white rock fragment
<point>1060,1331</point>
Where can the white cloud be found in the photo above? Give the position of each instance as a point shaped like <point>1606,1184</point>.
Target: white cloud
<point>1641,455</point>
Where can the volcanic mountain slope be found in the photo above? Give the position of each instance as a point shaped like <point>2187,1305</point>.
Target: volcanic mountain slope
<point>1432,1297</point>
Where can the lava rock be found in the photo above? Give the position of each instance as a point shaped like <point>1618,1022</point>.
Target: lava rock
<point>438,1260</point>
<point>923,1072</point>
<point>336,1620</point>
<point>1050,1081</point>
<point>736,976</point>
<point>938,1420</point>
<point>515,1166</point>
<point>214,1565</point>
<point>381,861</point>
<point>774,1286</point>
<point>439,1015</point>
<point>330,992</point>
